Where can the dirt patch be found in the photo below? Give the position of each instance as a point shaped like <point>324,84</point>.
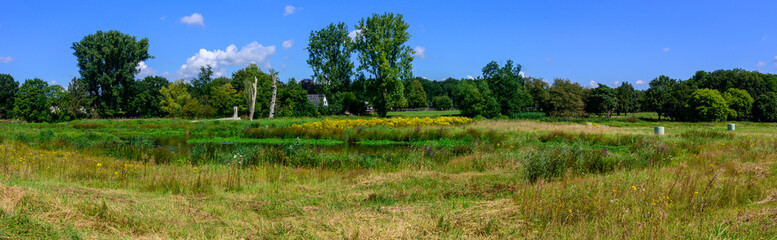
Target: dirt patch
<point>9,197</point>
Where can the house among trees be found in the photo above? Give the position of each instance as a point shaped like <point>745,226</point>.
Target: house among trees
<point>318,100</point>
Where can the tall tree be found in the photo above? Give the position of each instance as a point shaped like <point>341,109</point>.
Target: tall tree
<point>565,98</point>
<point>626,97</point>
<point>601,101</point>
<point>201,84</point>
<point>174,97</point>
<point>507,85</point>
<point>739,103</point>
<point>78,101</point>
<point>383,54</point>
<point>8,89</point>
<point>538,90</point>
<point>107,63</point>
<point>658,96</point>
<point>330,58</point>
<point>706,105</point>
<point>261,97</point>
<point>31,101</point>
<point>224,98</point>
<point>147,97</point>
<point>416,96</point>
<point>274,76</point>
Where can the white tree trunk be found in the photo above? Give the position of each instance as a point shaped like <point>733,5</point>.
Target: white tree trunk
<point>274,92</point>
<point>253,101</point>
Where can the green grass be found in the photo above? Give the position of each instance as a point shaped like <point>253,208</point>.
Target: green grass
<point>493,179</point>
<point>425,113</point>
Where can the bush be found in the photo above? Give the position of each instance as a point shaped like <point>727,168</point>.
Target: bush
<point>707,105</point>
<point>442,102</point>
<point>739,101</point>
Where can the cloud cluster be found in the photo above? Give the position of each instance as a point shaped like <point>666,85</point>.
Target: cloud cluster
<point>760,64</point>
<point>288,43</point>
<point>420,52</point>
<point>6,59</point>
<point>288,10</point>
<point>195,20</point>
<point>640,82</point>
<point>353,34</point>
<point>145,70</point>
<point>592,84</point>
<point>217,59</point>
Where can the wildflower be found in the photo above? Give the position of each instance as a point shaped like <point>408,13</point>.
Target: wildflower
<point>696,193</point>
<point>634,187</point>
<point>99,164</point>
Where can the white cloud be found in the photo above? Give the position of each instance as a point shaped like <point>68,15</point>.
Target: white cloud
<point>593,84</point>
<point>165,74</point>
<point>353,34</point>
<point>194,19</point>
<point>288,10</point>
<point>6,59</point>
<point>217,59</point>
<point>616,83</point>
<point>145,70</point>
<point>288,43</point>
<point>665,49</point>
<point>760,64</point>
<point>470,77</point>
<point>53,83</point>
<point>640,82</point>
<point>420,52</point>
<point>523,74</point>
<point>425,78</point>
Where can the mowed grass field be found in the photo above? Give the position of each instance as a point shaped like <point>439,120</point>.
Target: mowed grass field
<point>488,179</point>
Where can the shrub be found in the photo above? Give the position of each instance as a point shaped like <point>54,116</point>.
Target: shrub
<point>765,107</point>
<point>707,105</point>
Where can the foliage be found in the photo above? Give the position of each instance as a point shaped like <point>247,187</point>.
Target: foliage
<point>739,102</point>
<point>330,58</point>
<point>442,102</point>
<point>383,53</point>
<point>294,101</point>
<point>564,99</point>
<point>755,83</point>
<point>107,63</point>
<point>602,101</point>
<point>538,90</point>
<point>200,85</point>
<point>224,98</point>
<point>506,85</point>
<point>765,107</point>
<point>707,105</point>
<point>627,98</point>
<point>263,87</point>
<point>387,122</point>
<point>174,97</point>
<point>474,98</point>
<point>668,96</point>
<point>8,89</point>
<point>31,102</point>
<point>57,99</point>
<point>416,96</point>
<point>147,99</point>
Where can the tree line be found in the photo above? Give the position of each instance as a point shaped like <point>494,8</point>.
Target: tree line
<point>381,78</point>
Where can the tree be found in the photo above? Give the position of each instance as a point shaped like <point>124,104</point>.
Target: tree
<point>330,58</point>
<point>565,98</point>
<point>224,98</point>
<point>507,85</point>
<point>146,102</point>
<point>201,84</point>
<point>78,101</point>
<point>31,103</point>
<point>294,101</point>
<point>8,89</point>
<point>383,53</point>
<point>601,101</point>
<point>174,98</point>
<point>626,98</point>
<point>57,99</point>
<point>416,96</point>
<point>248,76</point>
<point>475,99</point>
<point>707,105</point>
<point>274,76</point>
<point>667,96</point>
<point>765,107</point>
<point>442,102</point>
<point>739,103</point>
<point>107,63</point>
<point>538,90</point>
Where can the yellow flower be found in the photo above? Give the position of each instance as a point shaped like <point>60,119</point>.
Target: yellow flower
<point>99,164</point>
<point>634,187</point>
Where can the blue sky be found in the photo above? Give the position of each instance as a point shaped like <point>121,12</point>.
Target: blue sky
<point>601,41</point>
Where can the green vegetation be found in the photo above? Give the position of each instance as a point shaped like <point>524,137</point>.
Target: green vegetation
<point>553,178</point>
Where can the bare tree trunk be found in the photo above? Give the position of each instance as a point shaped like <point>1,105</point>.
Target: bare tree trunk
<point>253,101</point>
<point>274,76</point>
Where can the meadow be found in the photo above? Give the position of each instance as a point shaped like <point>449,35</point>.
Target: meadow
<point>427,175</point>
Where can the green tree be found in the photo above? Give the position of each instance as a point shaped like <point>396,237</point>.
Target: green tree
<point>565,98</point>
<point>416,96</point>
<point>108,63</point>
<point>475,99</point>
<point>506,84</point>
<point>627,98</point>
<point>330,58</point>
<point>263,88</point>
<point>78,101</point>
<point>707,105</point>
<point>601,101</point>
<point>538,90</point>
<point>294,101</point>
<point>224,98</point>
<point>765,107</point>
<point>31,101</point>
<point>442,102</point>
<point>739,103</point>
<point>57,99</point>
<point>8,89</point>
<point>147,97</point>
<point>174,97</point>
<point>383,53</point>
<point>668,96</point>
<point>201,84</point>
